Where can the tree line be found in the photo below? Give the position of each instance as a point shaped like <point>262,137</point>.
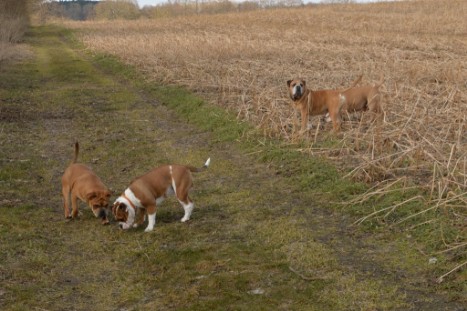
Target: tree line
<point>129,9</point>
<point>15,15</point>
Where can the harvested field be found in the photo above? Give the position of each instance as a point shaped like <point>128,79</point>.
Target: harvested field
<point>242,61</point>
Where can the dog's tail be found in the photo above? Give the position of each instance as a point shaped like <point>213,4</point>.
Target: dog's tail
<point>354,84</point>
<point>75,157</point>
<point>200,169</point>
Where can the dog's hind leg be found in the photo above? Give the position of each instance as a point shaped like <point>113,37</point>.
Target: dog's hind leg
<point>188,207</point>
<point>74,206</point>
<point>374,107</point>
<point>335,113</point>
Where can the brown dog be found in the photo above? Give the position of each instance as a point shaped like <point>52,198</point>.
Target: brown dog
<point>311,103</point>
<point>83,184</point>
<point>364,98</point>
<point>148,191</point>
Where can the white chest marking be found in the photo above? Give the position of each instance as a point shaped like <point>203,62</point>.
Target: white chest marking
<point>131,196</point>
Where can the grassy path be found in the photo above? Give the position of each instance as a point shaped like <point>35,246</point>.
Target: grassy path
<point>256,241</point>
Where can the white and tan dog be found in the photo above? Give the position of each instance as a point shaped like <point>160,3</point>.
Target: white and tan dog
<point>148,191</point>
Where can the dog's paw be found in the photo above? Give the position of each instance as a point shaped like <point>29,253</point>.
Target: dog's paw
<point>184,219</point>
<point>148,229</point>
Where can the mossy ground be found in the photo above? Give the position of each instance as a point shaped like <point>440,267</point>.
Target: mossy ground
<point>265,233</point>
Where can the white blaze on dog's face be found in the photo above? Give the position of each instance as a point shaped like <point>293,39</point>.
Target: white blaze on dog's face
<point>125,215</point>
<point>296,88</point>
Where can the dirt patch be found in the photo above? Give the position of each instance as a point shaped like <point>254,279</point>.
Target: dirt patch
<point>12,111</point>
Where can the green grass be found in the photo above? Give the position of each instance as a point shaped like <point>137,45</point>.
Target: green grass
<point>265,234</point>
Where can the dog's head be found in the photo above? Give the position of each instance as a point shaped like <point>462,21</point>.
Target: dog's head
<point>297,88</point>
<point>99,203</point>
<point>124,214</point>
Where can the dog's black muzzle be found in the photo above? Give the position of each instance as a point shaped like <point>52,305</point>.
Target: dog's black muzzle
<point>102,214</point>
<point>297,93</point>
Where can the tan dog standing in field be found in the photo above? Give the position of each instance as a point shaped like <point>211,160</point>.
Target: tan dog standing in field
<point>82,183</point>
<point>148,191</point>
<point>311,103</point>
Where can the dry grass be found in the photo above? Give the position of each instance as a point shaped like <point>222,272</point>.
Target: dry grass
<point>10,51</point>
<point>242,62</point>
<point>13,24</point>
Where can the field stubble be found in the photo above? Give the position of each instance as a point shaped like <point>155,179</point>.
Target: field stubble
<point>242,62</point>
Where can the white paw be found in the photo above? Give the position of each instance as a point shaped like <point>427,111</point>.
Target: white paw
<point>185,219</point>
<point>148,229</point>
<point>135,225</point>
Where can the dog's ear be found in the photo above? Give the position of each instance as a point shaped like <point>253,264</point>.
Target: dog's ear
<point>121,206</point>
<point>288,83</point>
<point>116,207</point>
<point>91,196</point>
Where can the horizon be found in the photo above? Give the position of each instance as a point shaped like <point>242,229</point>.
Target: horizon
<point>143,3</point>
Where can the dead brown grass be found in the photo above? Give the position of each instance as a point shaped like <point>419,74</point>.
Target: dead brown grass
<point>242,62</point>
<point>14,21</point>
<point>13,52</point>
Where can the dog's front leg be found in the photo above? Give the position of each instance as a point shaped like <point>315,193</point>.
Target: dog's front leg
<point>304,114</point>
<point>140,217</point>
<point>151,211</point>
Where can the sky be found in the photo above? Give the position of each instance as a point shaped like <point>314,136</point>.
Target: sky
<point>148,2</point>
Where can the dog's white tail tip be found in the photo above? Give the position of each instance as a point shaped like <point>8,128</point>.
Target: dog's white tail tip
<point>208,161</point>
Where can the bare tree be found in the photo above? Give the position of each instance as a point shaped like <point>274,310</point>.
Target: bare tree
<point>14,19</point>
